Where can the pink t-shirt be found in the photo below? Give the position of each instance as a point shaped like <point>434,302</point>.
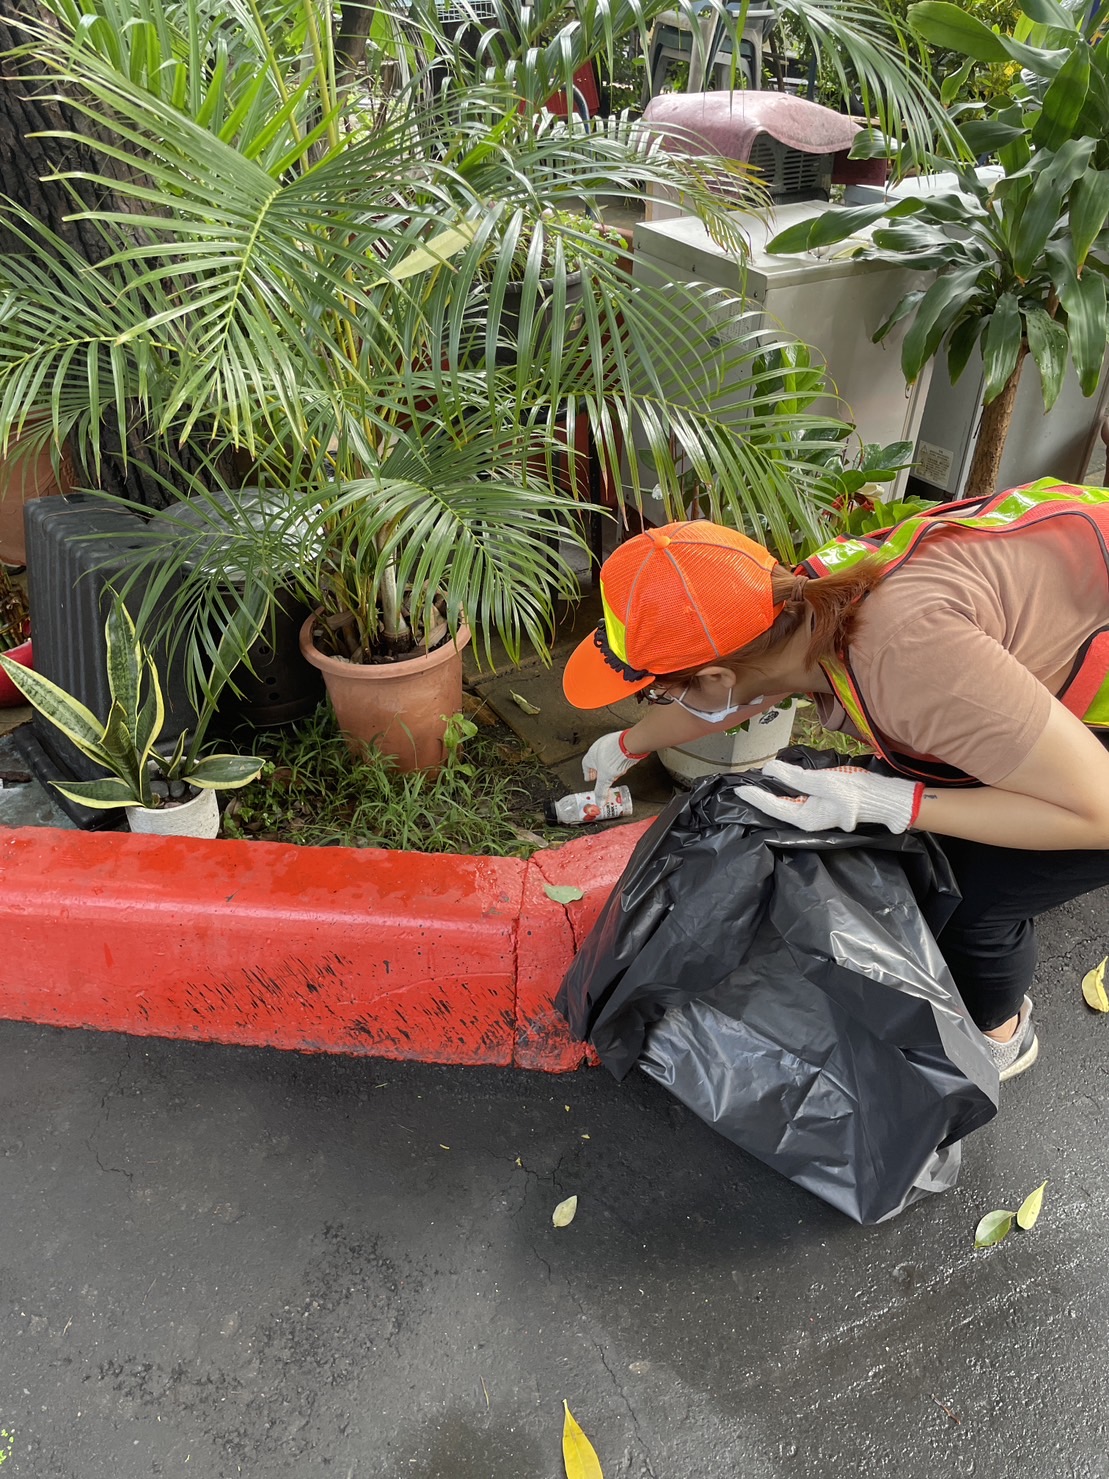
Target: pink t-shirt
<point>958,652</point>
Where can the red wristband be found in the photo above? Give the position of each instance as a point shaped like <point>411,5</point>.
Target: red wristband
<point>628,754</point>
<point>918,797</point>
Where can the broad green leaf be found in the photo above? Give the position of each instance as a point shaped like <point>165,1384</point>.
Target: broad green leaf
<point>123,662</point>
<point>1063,101</point>
<point>1093,988</point>
<point>1089,208</point>
<point>99,795</point>
<point>224,772</point>
<point>953,29</point>
<point>565,1212</point>
<point>1043,206</point>
<point>1001,346</point>
<point>1016,154</point>
<point>1084,302</point>
<point>562,893</point>
<point>578,1454</point>
<point>905,237</point>
<point>949,88</point>
<point>992,1228</point>
<point>1029,1209</point>
<point>827,228</point>
<point>1047,13</point>
<point>960,345</point>
<point>938,310</point>
<point>1050,348</point>
<point>75,721</point>
<point>987,135</point>
<point>902,310</point>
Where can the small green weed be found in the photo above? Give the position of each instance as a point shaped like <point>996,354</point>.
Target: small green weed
<point>487,798</point>
<point>808,730</point>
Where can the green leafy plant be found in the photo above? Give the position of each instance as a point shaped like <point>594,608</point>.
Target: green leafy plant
<point>1021,263</point>
<point>125,744</point>
<point>292,276</point>
<point>314,792</point>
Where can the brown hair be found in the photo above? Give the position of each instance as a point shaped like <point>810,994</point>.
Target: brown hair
<point>832,600</point>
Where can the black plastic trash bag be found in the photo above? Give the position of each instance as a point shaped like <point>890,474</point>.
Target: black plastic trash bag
<point>787,987</point>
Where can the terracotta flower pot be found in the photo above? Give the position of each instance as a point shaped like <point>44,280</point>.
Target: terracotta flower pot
<point>402,707</point>
<point>21,479</point>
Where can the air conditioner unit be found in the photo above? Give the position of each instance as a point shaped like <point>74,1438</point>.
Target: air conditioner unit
<point>798,147</point>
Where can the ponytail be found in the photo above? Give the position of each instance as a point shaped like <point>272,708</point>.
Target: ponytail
<point>835,601</point>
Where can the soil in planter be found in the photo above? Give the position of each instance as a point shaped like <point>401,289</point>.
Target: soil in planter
<point>488,799</point>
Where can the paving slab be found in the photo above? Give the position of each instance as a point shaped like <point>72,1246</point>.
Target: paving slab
<point>227,1262</point>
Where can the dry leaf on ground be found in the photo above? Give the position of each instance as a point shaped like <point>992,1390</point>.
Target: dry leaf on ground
<point>578,1454</point>
<point>564,1213</point>
<point>1093,988</point>
<point>1029,1209</point>
<point>522,703</point>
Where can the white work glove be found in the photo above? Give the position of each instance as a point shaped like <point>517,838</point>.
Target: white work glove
<point>607,760</point>
<point>840,797</point>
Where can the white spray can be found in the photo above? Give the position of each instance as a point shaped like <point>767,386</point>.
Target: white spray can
<point>585,806</point>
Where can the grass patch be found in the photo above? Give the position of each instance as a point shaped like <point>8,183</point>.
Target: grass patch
<point>808,730</point>
<point>487,799</point>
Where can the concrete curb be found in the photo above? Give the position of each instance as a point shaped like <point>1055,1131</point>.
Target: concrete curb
<point>434,957</point>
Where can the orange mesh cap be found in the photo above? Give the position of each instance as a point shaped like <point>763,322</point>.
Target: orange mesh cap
<point>678,597</point>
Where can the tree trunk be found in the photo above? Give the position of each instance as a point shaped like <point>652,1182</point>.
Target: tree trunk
<point>24,162</point>
<point>993,429</point>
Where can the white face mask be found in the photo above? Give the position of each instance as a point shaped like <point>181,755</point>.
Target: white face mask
<point>714,716</point>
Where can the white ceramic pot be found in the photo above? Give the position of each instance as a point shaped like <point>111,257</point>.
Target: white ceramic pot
<point>745,748</point>
<point>197,817</point>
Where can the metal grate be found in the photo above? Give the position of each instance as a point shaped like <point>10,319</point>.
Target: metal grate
<point>790,174</point>
<point>456,12</point>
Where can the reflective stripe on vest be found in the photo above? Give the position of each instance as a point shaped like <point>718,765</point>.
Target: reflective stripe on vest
<point>1086,691</point>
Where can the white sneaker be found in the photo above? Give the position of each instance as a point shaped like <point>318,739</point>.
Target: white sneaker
<point>1022,1049</point>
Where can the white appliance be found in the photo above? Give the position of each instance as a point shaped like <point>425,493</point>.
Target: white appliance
<point>826,298</point>
<point>1057,444</point>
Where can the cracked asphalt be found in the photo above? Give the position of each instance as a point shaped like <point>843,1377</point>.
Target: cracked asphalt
<point>222,1262</point>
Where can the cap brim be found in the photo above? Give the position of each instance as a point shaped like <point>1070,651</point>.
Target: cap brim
<point>590,681</point>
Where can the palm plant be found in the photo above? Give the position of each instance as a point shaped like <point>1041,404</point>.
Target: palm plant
<point>304,272</point>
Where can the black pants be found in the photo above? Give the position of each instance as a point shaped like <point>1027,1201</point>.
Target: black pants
<point>990,941</point>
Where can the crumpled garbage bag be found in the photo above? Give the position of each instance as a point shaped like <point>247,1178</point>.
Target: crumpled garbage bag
<point>787,987</point>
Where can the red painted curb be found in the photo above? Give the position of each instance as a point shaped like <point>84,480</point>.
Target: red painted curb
<point>436,957</point>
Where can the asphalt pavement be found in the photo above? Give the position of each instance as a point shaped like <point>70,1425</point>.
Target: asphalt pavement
<point>222,1262</point>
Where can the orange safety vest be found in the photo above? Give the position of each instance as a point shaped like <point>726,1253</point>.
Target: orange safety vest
<point>1086,691</point>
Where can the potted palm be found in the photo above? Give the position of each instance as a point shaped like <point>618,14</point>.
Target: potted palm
<point>296,260</point>
<point>170,794</point>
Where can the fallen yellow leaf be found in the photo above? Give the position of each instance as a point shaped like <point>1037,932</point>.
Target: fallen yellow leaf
<point>1029,1209</point>
<point>1093,988</point>
<point>578,1454</point>
<point>563,1214</point>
